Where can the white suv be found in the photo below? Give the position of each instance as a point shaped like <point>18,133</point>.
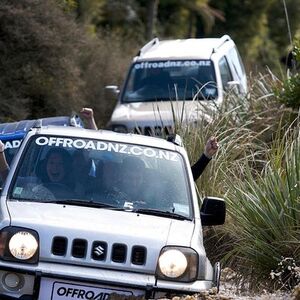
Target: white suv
<point>74,224</point>
<point>176,79</point>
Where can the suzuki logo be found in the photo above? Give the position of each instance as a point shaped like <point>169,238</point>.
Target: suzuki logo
<point>98,251</point>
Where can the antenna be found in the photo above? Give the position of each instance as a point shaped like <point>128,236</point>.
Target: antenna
<point>222,40</point>
<point>149,45</point>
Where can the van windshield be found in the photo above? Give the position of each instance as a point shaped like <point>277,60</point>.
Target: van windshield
<point>110,174</point>
<point>170,80</point>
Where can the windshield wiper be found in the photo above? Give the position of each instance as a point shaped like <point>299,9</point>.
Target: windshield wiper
<point>88,203</point>
<point>160,213</point>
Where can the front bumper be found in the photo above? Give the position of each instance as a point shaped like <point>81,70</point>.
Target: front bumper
<point>37,279</point>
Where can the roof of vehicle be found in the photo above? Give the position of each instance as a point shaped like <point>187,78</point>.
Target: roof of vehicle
<point>181,48</point>
<point>17,130</point>
<point>107,135</point>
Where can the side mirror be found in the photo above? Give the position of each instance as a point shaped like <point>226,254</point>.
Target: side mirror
<point>233,86</point>
<point>213,211</point>
<point>111,92</point>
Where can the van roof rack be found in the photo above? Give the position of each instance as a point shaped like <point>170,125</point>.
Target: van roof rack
<point>222,40</point>
<point>149,45</point>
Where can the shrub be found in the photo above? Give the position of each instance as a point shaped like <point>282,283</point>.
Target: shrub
<point>265,210</point>
<point>51,66</point>
<point>289,92</point>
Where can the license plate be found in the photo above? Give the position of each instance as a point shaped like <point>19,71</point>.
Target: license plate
<point>66,290</point>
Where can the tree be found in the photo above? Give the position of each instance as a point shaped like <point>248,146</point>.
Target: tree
<point>39,50</point>
<point>258,27</point>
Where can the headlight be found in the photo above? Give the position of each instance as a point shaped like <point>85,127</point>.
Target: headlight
<point>23,245</point>
<point>19,244</point>
<point>177,264</point>
<point>172,263</point>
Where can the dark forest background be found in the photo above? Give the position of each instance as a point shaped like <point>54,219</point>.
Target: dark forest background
<point>56,56</point>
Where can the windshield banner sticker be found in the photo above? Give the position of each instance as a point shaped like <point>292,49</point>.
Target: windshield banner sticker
<point>171,64</point>
<point>106,146</point>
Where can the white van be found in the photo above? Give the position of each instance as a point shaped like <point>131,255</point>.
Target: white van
<point>176,78</point>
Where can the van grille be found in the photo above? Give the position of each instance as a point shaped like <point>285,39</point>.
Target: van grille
<point>99,250</point>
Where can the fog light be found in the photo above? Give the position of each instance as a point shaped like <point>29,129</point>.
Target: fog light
<point>12,281</point>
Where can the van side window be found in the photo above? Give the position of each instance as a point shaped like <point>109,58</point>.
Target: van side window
<point>225,71</point>
<point>237,63</point>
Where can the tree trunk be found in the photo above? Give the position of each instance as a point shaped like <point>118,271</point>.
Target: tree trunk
<point>151,18</point>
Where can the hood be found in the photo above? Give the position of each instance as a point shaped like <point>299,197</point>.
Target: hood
<point>94,224</point>
<point>162,111</point>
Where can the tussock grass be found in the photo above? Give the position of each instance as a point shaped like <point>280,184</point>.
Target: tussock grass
<point>265,211</point>
<point>257,171</point>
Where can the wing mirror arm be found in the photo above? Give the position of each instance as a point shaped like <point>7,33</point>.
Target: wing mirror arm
<point>234,86</point>
<point>111,92</point>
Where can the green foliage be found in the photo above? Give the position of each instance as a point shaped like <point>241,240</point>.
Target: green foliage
<point>259,29</point>
<point>289,92</point>
<point>257,171</point>
<point>265,212</point>
<point>39,59</point>
<point>51,66</point>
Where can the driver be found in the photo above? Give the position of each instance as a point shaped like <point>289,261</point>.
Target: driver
<point>106,186</point>
<point>133,179</point>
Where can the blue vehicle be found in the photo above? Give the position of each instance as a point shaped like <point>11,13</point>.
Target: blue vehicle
<point>12,134</point>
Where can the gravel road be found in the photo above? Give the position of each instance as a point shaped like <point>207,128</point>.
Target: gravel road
<point>229,291</point>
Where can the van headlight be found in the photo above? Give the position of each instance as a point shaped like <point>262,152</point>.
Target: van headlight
<point>177,263</point>
<point>19,244</point>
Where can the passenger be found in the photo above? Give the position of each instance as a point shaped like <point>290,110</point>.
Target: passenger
<point>210,150</point>
<point>55,173</point>
<point>88,115</point>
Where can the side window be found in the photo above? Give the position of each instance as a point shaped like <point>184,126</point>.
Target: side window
<point>225,71</point>
<point>237,63</point>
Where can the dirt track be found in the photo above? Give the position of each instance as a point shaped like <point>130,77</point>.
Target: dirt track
<point>229,291</point>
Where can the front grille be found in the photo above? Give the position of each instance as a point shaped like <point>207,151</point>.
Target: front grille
<point>99,251</point>
<point>79,248</point>
<point>59,246</point>
<point>119,253</point>
<point>138,255</point>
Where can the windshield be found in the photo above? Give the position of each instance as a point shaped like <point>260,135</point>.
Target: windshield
<point>170,80</point>
<point>114,175</point>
